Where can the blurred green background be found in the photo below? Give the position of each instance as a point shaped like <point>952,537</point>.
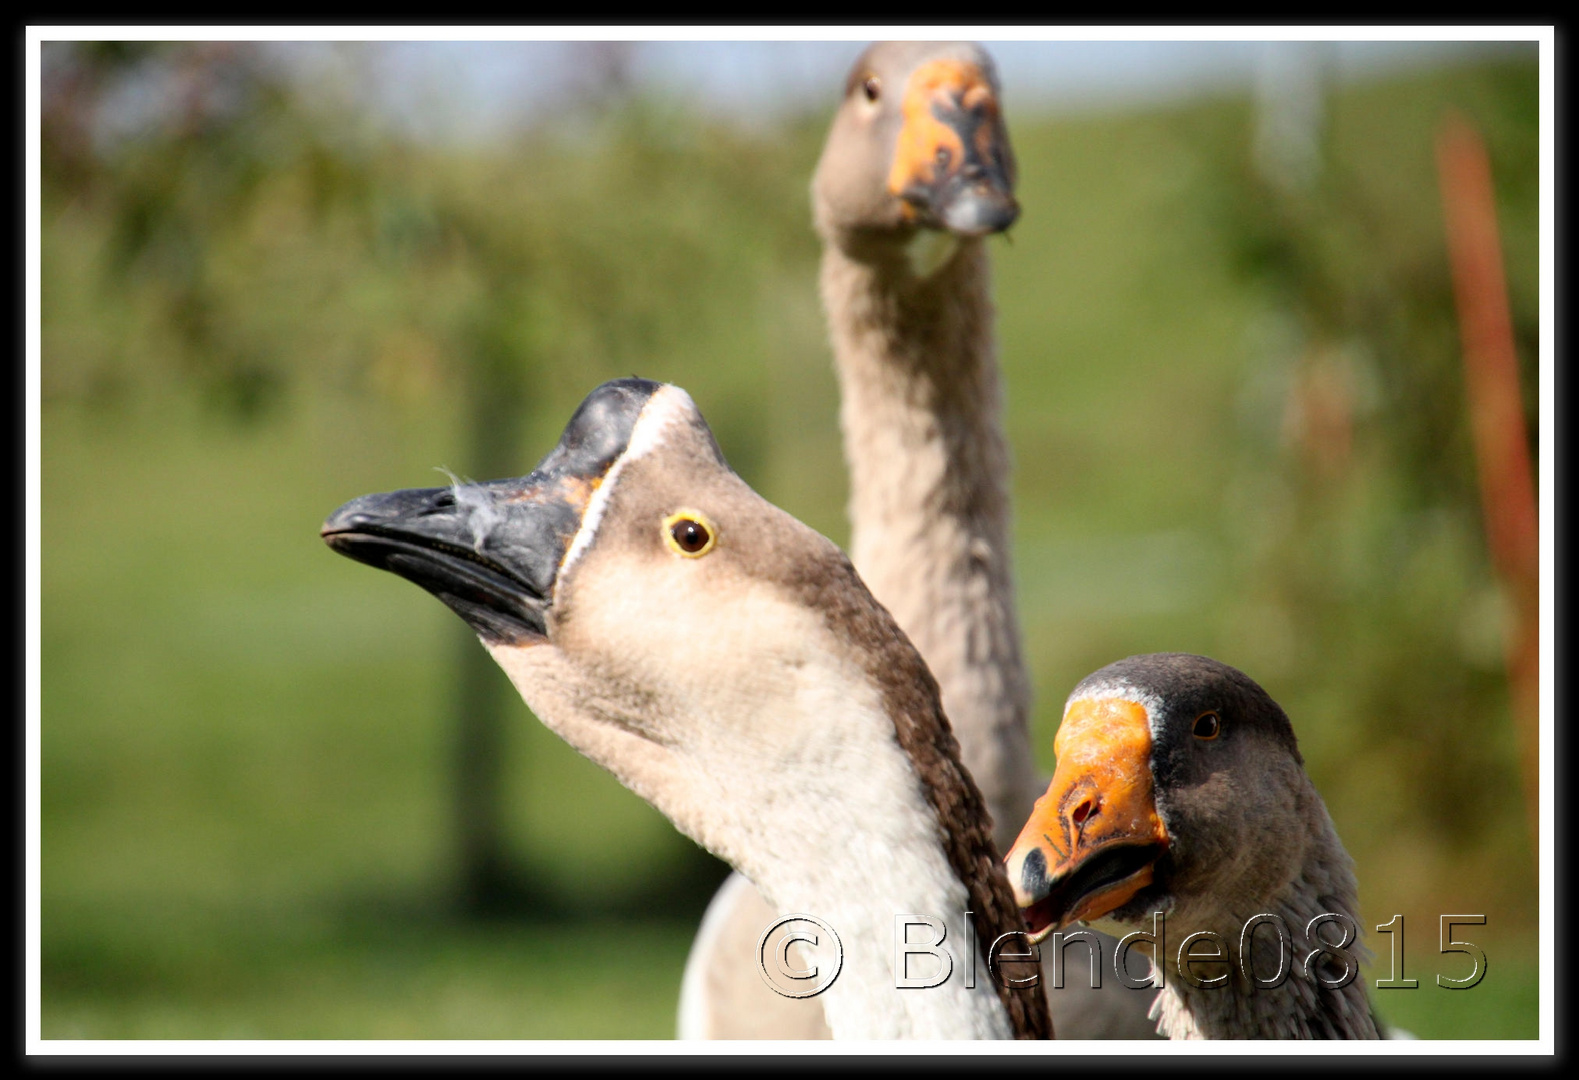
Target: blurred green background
<point>273,804</point>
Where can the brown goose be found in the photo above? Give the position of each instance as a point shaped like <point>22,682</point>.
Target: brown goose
<point>916,173</point>
<point>1180,789</point>
<point>725,662</point>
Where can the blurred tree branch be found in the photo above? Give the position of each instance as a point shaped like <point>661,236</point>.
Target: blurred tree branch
<point>255,239</point>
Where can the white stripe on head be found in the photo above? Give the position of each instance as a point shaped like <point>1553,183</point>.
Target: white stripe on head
<point>667,406</point>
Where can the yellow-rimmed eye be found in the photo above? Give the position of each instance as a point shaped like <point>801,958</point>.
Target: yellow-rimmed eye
<point>1208,726</point>
<point>689,533</point>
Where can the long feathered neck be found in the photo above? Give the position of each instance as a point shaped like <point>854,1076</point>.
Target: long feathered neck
<point>1298,1008</point>
<point>821,767</point>
<point>953,815</point>
<point>880,852</point>
<point>868,848</point>
<point>921,411</point>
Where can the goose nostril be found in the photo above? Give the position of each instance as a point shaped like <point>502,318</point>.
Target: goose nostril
<point>1083,811</point>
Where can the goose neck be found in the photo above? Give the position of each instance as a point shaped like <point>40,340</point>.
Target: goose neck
<point>929,465</point>
<point>1291,987</point>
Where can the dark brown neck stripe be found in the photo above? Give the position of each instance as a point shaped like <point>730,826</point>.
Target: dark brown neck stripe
<point>910,694</point>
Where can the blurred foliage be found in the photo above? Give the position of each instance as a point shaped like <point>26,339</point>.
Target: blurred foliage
<point>1379,548</point>
<point>1237,411</point>
<point>240,214</point>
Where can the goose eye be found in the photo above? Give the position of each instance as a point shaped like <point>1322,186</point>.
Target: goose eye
<point>871,87</point>
<point>1208,726</point>
<point>688,533</point>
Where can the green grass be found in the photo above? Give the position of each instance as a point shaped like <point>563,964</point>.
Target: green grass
<point>244,750</point>
<point>244,757</point>
<point>246,740</point>
<point>368,978</point>
<point>1505,1004</point>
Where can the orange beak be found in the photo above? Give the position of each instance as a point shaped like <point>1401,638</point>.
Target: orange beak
<point>1092,841</point>
<point>953,167</point>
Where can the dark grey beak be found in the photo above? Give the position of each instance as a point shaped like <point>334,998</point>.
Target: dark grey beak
<point>953,165</point>
<point>492,551</point>
<point>977,198</point>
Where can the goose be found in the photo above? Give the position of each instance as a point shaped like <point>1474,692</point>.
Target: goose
<point>1180,790</point>
<point>917,171</point>
<point>724,662</point>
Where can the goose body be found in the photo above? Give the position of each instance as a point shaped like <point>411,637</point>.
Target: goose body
<point>1180,789</point>
<point>916,173</point>
<point>725,663</point>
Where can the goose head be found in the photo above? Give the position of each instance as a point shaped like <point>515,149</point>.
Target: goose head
<point>918,142</point>
<point>725,662</point>
<point>650,606</point>
<point>1179,788</point>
